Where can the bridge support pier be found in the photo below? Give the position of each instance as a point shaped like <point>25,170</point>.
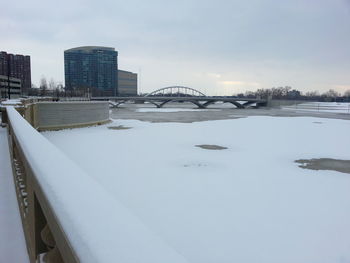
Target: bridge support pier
<point>163,103</point>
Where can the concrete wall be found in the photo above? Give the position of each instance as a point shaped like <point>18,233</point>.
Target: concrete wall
<point>59,115</point>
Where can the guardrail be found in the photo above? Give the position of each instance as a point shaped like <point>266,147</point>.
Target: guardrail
<point>44,234</point>
<point>66,215</point>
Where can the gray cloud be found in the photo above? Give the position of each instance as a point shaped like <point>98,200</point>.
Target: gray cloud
<point>300,43</point>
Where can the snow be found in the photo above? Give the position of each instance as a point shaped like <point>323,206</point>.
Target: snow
<point>12,242</point>
<point>170,110</point>
<point>248,203</point>
<point>335,107</point>
<point>11,102</point>
<point>99,227</point>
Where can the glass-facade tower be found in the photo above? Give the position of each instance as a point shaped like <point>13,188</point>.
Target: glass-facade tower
<point>91,68</point>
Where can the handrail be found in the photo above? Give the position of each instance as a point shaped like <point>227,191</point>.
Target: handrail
<point>70,215</point>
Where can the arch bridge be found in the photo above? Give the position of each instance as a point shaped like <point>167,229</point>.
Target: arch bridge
<point>176,91</point>
<point>200,102</point>
<point>161,97</point>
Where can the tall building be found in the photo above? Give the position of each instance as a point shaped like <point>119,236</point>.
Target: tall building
<point>16,66</point>
<point>127,83</point>
<point>10,87</point>
<point>92,69</point>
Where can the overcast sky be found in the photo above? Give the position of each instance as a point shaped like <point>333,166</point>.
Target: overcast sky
<point>218,47</point>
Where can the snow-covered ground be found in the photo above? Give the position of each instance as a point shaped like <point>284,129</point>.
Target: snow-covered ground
<point>170,109</point>
<point>335,107</point>
<point>8,102</point>
<point>12,242</point>
<point>248,203</point>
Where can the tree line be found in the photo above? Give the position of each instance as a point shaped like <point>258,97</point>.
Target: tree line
<point>52,88</point>
<point>56,89</point>
<point>288,93</point>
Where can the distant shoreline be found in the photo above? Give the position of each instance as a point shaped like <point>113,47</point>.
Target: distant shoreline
<point>220,112</point>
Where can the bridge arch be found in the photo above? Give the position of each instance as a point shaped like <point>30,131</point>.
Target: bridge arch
<point>176,91</point>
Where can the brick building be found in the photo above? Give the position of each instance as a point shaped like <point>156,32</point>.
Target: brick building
<point>16,66</point>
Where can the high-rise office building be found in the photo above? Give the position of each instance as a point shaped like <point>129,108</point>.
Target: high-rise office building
<point>91,69</point>
<point>127,83</point>
<point>16,66</point>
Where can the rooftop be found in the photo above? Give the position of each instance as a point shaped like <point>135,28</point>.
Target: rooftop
<point>90,48</point>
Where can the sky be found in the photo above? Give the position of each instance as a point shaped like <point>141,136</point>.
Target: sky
<point>218,47</point>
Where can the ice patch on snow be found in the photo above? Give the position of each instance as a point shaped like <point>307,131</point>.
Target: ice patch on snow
<point>342,166</point>
<point>211,147</point>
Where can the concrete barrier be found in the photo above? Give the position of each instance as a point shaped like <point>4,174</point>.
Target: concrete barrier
<point>60,115</point>
<point>60,221</point>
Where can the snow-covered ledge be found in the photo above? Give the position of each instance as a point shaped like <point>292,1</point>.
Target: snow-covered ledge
<point>87,222</point>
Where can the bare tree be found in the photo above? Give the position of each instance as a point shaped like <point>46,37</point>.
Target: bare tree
<point>58,90</point>
<point>43,86</point>
<point>52,84</point>
<point>331,94</point>
<point>312,94</point>
<point>286,90</point>
<point>249,94</point>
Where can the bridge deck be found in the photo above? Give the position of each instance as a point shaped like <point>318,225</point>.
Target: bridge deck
<point>12,242</point>
<point>199,101</point>
<point>206,98</point>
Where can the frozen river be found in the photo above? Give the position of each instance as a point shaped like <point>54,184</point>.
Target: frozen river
<point>248,202</point>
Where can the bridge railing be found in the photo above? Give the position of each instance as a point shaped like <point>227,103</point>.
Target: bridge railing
<point>69,217</point>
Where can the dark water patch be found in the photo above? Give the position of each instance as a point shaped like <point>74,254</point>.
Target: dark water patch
<point>342,166</point>
<point>195,165</point>
<point>211,147</point>
<point>120,127</point>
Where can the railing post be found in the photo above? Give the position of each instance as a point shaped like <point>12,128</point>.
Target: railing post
<point>37,223</point>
